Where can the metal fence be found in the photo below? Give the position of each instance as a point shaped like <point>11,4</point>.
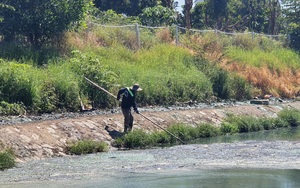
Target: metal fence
<point>181,30</point>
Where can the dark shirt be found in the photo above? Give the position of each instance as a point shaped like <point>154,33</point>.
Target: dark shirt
<point>128,101</point>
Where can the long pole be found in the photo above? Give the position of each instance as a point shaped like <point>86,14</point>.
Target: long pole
<point>162,128</point>
<point>100,87</point>
<point>138,113</point>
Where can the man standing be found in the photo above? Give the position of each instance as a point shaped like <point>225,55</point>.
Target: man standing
<point>128,101</point>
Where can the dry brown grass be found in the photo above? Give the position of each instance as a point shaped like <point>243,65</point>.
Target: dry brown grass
<point>81,40</point>
<point>279,83</point>
<point>164,35</point>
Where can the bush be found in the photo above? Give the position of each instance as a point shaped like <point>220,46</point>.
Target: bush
<point>137,139</point>
<point>182,131</point>
<point>7,160</point>
<point>269,123</point>
<point>86,147</point>
<point>279,123</point>
<point>11,109</point>
<point>206,130</point>
<point>40,21</point>
<point>239,88</point>
<point>291,116</point>
<point>161,137</point>
<point>230,128</point>
<point>244,123</point>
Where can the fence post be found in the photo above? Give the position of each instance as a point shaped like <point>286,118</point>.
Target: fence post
<point>177,37</point>
<point>138,35</point>
<point>252,36</point>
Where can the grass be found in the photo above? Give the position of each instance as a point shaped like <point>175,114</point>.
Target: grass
<point>277,59</point>
<point>194,71</point>
<point>86,147</point>
<point>7,159</point>
<point>232,125</point>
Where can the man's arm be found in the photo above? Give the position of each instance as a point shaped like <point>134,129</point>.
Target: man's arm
<point>121,91</point>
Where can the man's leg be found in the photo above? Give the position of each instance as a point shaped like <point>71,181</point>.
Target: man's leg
<point>127,114</point>
<point>130,122</point>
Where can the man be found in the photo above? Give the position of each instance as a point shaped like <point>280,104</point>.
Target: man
<point>128,101</point>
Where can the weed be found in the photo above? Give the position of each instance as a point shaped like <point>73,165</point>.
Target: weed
<point>291,116</point>
<point>137,139</point>
<point>7,160</point>
<point>86,147</point>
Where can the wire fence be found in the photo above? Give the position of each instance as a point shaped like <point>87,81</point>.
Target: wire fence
<point>181,30</point>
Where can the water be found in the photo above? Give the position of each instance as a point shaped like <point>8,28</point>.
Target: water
<point>288,134</point>
<point>204,178</point>
<point>224,178</point>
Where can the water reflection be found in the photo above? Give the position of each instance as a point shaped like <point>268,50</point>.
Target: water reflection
<point>223,178</point>
<point>233,178</point>
<point>288,134</point>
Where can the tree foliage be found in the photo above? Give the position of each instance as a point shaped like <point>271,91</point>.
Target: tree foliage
<point>158,16</point>
<point>238,15</point>
<point>127,7</point>
<point>38,22</point>
<point>291,12</point>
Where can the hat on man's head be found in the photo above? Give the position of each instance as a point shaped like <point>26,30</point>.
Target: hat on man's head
<point>136,87</point>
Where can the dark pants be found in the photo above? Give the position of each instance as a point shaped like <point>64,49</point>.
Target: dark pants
<point>128,120</point>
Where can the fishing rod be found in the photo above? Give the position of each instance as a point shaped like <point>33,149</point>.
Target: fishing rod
<point>156,124</point>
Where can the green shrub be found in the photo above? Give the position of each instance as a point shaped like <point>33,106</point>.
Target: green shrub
<point>86,147</point>
<point>239,88</point>
<point>11,109</point>
<point>230,128</point>
<point>7,160</point>
<point>291,116</point>
<point>137,139</point>
<point>245,123</point>
<point>181,131</point>
<point>279,123</point>
<point>268,123</point>
<point>91,66</point>
<point>206,130</point>
<point>161,137</point>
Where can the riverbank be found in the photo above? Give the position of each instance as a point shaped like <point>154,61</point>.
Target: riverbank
<point>42,139</point>
<point>120,168</point>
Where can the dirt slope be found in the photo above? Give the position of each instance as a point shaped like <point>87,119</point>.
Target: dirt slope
<point>43,139</point>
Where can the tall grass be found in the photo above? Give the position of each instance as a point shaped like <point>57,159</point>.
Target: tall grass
<point>110,57</point>
<point>232,125</point>
<point>277,59</point>
<point>39,90</point>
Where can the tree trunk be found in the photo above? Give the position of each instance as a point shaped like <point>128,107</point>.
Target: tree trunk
<point>273,4</point>
<point>187,13</point>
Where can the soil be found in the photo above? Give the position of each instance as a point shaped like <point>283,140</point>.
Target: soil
<point>46,136</point>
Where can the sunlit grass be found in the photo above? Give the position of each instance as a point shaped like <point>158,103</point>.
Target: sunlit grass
<point>279,59</point>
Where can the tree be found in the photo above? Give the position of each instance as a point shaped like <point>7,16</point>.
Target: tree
<point>40,21</point>
<point>274,14</point>
<point>158,16</point>
<point>187,13</point>
<point>238,15</point>
<point>291,11</point>
<point>168,3</point>
<point>127,7</point>
<point>198,17</point>
<point>4,6</point>
<point>217,10</point>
